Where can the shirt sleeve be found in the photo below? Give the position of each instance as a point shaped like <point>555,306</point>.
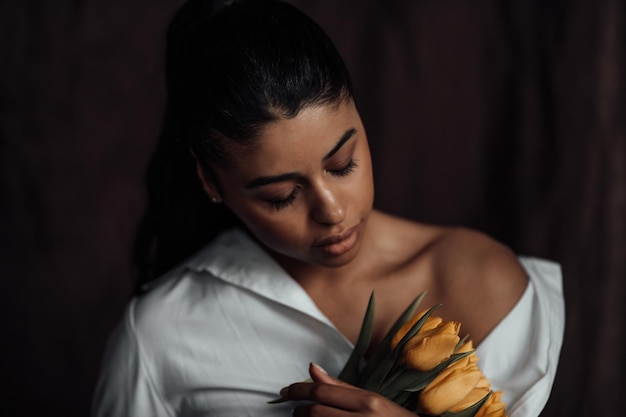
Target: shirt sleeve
<point>125,388</point>
<point>520,356</point>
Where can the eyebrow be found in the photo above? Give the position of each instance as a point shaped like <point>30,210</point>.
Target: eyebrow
<point>258,182</point>
<point>346,136</point>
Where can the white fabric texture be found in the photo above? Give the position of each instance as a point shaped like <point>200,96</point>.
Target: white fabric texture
<point>223,332</point>
<point>520,356</point>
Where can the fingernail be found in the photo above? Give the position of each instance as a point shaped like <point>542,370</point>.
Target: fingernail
<point>284,392</point>
<point>322,370</point>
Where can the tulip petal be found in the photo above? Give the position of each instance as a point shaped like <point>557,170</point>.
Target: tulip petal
<point>464,345</point>
<point>472,411</point>
<point>416,327</point>
<point>431,323</point>
<point>470,399</point>
<point>447,389</point>
<point>430,351</point>
<point>493,407</point>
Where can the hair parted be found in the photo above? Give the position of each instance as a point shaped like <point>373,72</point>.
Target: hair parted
<point>233,66</point>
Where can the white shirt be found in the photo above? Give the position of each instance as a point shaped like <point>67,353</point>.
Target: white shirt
<point>222,333</point>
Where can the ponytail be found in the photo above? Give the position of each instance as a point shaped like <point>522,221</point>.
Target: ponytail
<point>179,218</point>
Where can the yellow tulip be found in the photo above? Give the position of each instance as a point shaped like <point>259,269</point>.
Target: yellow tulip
<point>431,323</point>
<point>468,346</point>
<point>471,359</point>
<point>426,350</point>
<point>479,392</point>
<point>448,389</point>
<point>493,407</point>
<point>458,387</point>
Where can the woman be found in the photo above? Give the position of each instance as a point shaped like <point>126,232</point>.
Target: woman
<point>276,271</point>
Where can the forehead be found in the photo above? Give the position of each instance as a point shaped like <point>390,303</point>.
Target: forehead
<point>291,144</point>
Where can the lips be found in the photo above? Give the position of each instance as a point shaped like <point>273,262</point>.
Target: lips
<point>338,244</point>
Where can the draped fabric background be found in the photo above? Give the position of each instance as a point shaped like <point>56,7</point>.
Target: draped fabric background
<point>506,116</point>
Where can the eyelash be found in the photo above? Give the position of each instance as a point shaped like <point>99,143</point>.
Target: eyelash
<point>281,204</point>
<point>286,202</point>
<point>345,170</point>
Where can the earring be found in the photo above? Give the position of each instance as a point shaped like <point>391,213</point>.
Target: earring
<point>215,200</point>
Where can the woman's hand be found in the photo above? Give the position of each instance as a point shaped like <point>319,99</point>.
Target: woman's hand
<point>334,398</point>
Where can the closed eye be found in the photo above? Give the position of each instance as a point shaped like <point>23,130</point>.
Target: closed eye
<point>284,202</point>
<point>342,172</point>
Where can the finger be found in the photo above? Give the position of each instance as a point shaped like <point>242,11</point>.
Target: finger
<point>344,397</point>
<point>316,391</point>
<point>318,374</point>
<point>319,410</point>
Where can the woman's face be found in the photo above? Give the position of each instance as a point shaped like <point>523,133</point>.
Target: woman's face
<point>305,190</point>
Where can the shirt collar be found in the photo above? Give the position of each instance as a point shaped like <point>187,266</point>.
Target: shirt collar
<point>234,257</point>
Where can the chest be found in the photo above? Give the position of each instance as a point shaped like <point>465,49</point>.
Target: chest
<point>346,307</point>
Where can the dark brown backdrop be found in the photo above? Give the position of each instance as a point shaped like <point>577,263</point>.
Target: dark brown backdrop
<point>507,116</point>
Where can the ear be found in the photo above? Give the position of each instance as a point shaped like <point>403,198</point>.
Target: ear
<point>208,183</point>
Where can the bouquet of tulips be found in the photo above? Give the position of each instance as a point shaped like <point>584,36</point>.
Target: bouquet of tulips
<point>423,365</point>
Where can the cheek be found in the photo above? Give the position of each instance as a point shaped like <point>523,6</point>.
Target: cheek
<point>282,230</point>
<point>364,191</point>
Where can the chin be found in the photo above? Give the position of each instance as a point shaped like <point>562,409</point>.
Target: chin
<point>336,261</point>
<point>286,258</point>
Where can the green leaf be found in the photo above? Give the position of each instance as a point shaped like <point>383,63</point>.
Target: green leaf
<point>381,373</point>
<point>380,358</point>
<point>405,399</point>
<point>469,411</point>
<point>350,372</point>
<point>461,342</point>
<point>409,380</point>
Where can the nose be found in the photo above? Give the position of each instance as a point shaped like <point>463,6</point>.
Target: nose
<point>327,207</point>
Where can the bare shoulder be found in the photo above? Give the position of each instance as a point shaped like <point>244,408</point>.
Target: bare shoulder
<point>402,238</point>
<point>479,279</point>
<point>462,252</point>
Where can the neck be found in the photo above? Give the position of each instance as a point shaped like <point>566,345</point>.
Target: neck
<point>307,274</point>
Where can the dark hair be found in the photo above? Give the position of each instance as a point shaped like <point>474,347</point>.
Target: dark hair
<point>232,67</point>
